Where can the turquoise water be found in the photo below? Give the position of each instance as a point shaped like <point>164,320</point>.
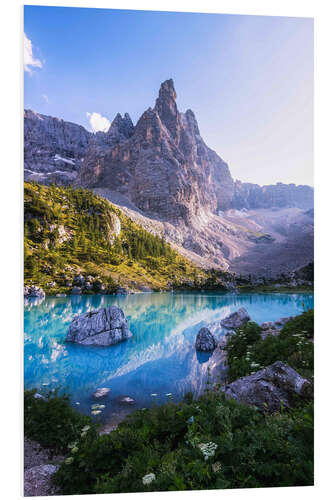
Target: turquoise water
<point>160,357</point>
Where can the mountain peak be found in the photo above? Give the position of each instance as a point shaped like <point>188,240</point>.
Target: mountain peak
<point>166,106</point>
<point>167,88</point>
<point>121,128</point>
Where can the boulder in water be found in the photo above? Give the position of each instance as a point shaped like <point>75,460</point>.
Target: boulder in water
<point>105,327</point>
<point>205,340</point>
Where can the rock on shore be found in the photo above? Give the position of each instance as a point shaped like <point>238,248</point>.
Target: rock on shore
<point>33,291</point>
<point>270,388</point>
<point>236,319</point>
<point>105,327</point>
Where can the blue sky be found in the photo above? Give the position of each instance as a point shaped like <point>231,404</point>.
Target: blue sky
<point>249,79</point>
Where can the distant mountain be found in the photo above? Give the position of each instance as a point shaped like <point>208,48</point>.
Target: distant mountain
<point>53,149</point>
<point>280,195</point>
<point>161,173</point>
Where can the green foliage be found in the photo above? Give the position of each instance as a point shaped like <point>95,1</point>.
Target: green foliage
<point>52,421</point>
<point>248,353</point>
<point>249,450</point>
<point>302,324</point>
<point>68,230</point>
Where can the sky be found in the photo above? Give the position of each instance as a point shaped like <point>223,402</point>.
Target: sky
<point>248,79</point>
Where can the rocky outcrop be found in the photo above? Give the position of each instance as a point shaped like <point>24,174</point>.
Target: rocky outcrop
<point>270,388</point>
<point>253,196</point>
<point>104,327</point>
<point>162,165</point>
<point>205,340</point>
<point>273,327</point>
<point>37,480</point>
<point>33,292</point>
<point>236,319</point>
<point>53,148</point>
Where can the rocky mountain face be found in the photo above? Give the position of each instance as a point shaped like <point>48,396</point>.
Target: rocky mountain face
<point>161,165</point>
<point>53,149</point>
<point>163,176</point>
<point>247,195</point>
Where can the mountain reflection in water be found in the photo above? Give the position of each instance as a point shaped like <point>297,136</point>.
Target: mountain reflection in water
<point>159,359</point>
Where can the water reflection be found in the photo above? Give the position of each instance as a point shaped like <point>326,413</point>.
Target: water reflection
<point>160,357</point>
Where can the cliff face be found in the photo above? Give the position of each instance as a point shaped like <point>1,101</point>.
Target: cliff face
<point>162,165</point>
<point>252,196</point>
<point>53,149</point>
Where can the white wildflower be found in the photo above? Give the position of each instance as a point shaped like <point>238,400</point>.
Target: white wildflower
<point>208,449</point>
<point>148,478</point>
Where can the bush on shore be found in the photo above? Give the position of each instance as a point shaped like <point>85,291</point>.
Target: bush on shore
<point>207,443</point>
<point>247,352</point>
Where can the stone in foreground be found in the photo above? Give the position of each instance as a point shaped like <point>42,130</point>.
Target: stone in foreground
<point>105,327</point>
<point>270,388</point>
<point>205,341</point>
<point>101,392</point>
<point>37,480</point>
<point>236,319</point>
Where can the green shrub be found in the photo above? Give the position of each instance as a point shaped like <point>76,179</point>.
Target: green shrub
<point>249,450</point>
<point>237,349</point>
<point>248,352</point>
<point>52,421</point>
<point>302,324</point>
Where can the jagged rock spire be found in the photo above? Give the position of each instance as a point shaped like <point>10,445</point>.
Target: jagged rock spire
<point>166,107</point>
<point>121,128</point>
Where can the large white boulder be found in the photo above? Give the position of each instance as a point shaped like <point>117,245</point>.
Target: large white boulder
<point>104,327</point>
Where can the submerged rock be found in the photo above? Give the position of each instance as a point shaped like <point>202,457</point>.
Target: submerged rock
<point>205,340</point>
<point>270,388</point>
<point>126,400</point>
<point>104,327</point>
<point>236,319</point>
<point>101,392</point>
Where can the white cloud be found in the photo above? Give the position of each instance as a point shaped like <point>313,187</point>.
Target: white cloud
<point>28,58</point>
<point>98,123</point>
<point>46,99</point>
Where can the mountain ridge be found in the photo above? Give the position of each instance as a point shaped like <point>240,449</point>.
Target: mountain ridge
<point>163,172</point>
